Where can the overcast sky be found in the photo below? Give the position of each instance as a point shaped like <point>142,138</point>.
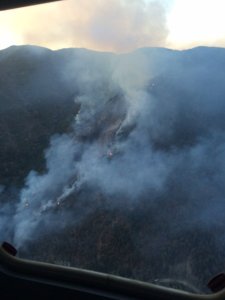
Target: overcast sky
<point>116,25</point>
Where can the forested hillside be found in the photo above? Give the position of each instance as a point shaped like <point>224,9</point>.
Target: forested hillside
<point>115,163</point>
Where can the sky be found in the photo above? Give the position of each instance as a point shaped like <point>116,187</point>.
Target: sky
<point>116,25</point>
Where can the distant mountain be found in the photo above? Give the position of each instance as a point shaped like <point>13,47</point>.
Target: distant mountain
<point>121,155</point>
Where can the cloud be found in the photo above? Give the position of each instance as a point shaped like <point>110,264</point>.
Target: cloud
<point>113,25</point>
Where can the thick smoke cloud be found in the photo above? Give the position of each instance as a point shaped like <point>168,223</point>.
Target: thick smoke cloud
<point>149,135</point>
<point>43,190</point>
<point>114,25</point>
<point>186,128</point>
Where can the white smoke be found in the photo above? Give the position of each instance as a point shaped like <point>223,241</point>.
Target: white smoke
<point>146,132</point>
<point>115,175</point>
<point>43,192</point>
<point>112,25</point>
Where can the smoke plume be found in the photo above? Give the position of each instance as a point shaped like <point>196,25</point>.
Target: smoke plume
<point>148,142</point>
<point>113,25</point>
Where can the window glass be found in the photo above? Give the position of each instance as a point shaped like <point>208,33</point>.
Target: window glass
<point>112,118</point>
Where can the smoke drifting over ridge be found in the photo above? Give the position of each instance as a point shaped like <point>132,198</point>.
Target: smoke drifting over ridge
<point>148,142</point>
<point>113,25</point>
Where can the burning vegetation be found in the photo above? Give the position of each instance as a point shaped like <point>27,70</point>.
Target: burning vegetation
<point>115,163</point>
